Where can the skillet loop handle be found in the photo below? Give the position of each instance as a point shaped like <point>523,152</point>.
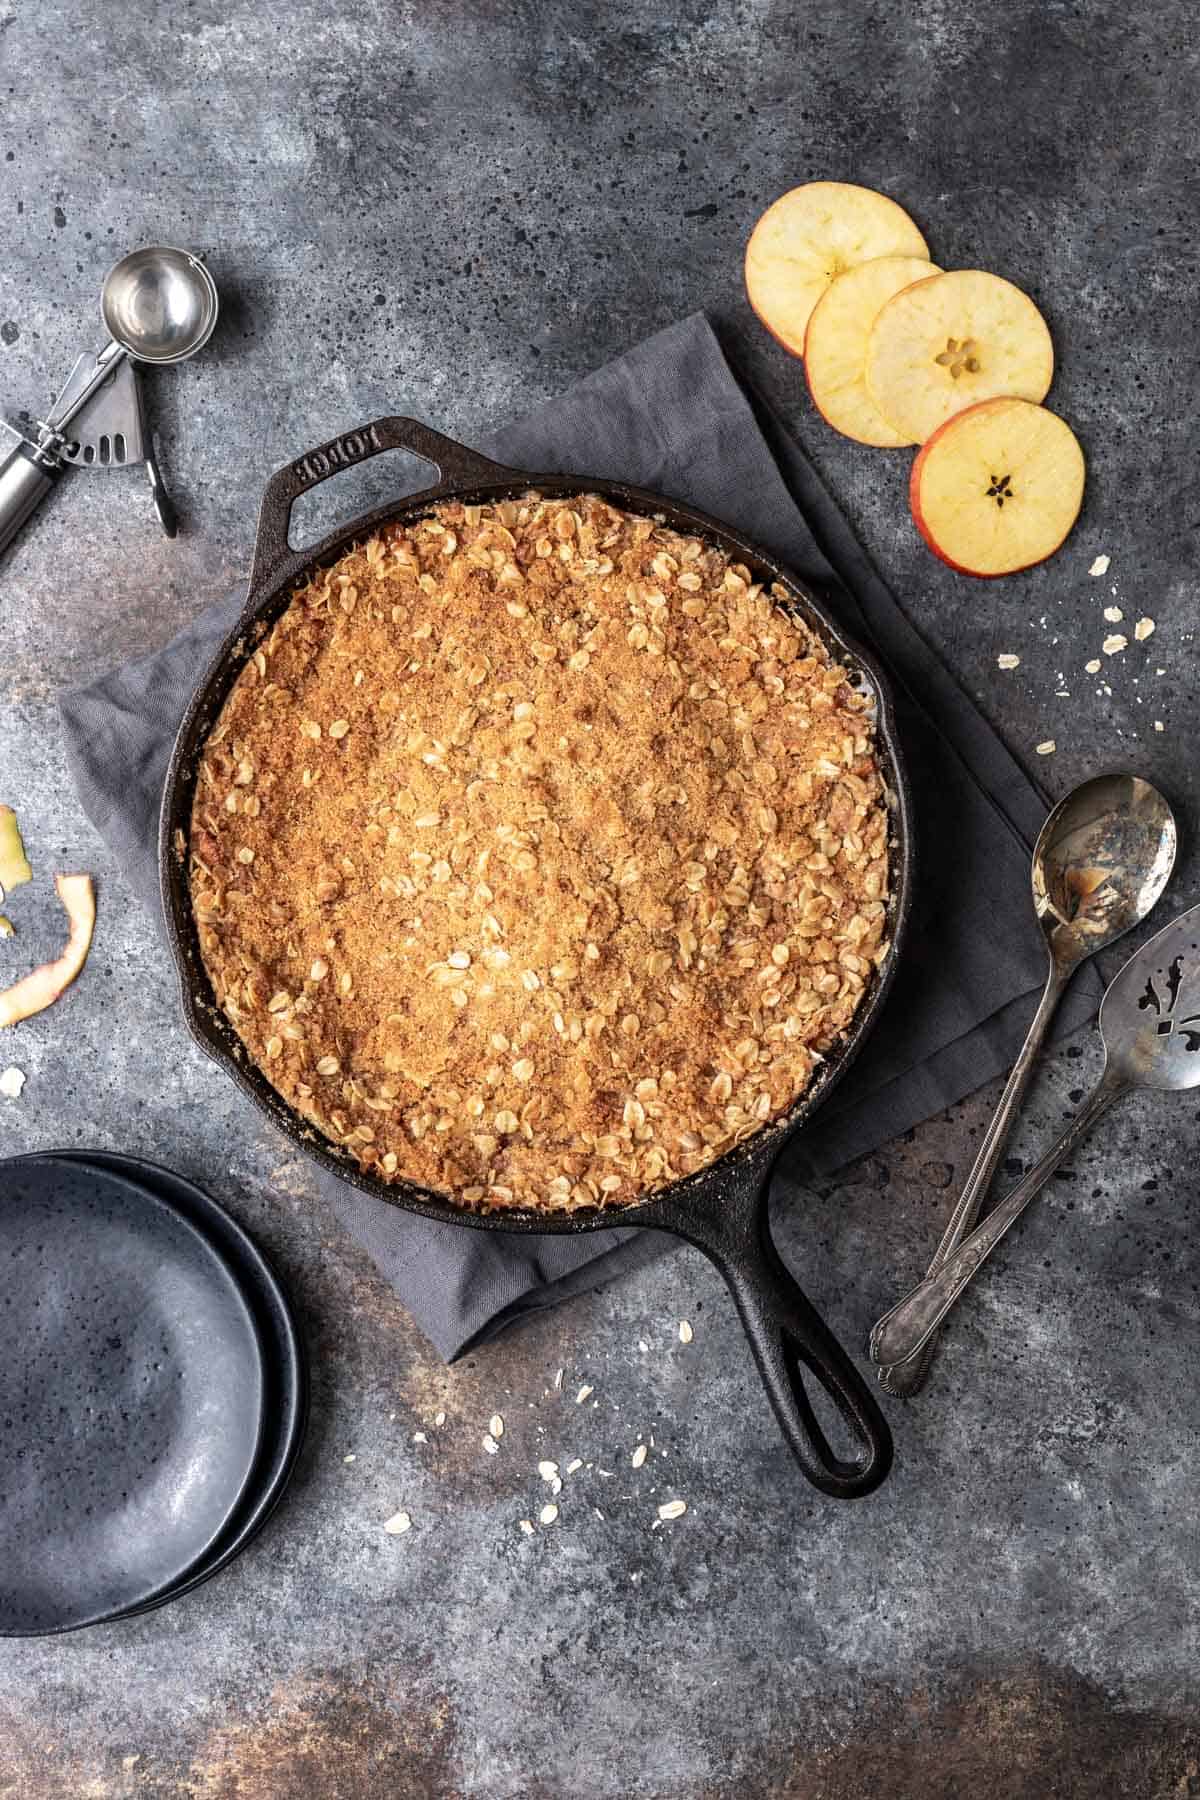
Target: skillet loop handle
<point>791,1342</point>
<point>456,467</point>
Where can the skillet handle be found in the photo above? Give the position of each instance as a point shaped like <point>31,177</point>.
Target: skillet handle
<point>789,1339</point>
<point>456,466</point>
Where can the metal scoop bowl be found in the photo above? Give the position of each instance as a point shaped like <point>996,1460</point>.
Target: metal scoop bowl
<point>159,305</point>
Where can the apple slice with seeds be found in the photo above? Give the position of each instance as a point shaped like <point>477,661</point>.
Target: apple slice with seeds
<point>951,341</point>
<point>835,345</point>
<point>809,237</point>
<point>998,487</point>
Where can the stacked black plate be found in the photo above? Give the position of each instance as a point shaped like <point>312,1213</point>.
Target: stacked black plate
<point>153,1391</point>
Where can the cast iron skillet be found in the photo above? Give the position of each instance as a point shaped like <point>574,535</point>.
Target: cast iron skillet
<point>722,1209</point>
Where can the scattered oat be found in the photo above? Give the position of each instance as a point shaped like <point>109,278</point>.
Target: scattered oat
<point>1115,643</point>
<point>1113,614</point>
<point>558,1377</point>
<point>490,1444</point>
<point>439,1419</point>
<point>548,1513</point>
<point>1093,667</point>
<point>349,1459</point>
<point>1047,748</point>
<point>496,1425</point>
<point>639,1456</point>
<point>1100,566</point>
<point>672,1509</point>
<point>1143,629</point>
<point>418,1437</point>
<point>398,1524</point>
<point>548,1470</point>
<point>527,1527</point>
<point>685,1332</point>
<point>576,1462</point>
<point>1158,725</point>
<point>582,1395</point>
<point>11,1083</point>
<point>1008,661</point>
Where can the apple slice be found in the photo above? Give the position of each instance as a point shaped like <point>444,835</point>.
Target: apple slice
<point>43,987</point>
<point>951,341</point>
<point>809,236</point>
<point>835,345</point>
<point>998,487</point>
<point>14,864</point>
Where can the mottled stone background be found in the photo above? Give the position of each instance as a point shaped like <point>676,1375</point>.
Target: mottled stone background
<point>454,208</point>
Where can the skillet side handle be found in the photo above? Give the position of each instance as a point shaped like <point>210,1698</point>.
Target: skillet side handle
<point>789,1339</point>
<point>456,466</point>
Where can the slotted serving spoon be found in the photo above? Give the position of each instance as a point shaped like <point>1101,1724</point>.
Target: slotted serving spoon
<point>1150,1022</point>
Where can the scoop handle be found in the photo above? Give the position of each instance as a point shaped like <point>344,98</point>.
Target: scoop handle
<point>24,484</point>
<point>910,1325</point>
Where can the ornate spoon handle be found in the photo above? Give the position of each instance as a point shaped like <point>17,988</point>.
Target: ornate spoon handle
<point>904,1331</point>
<point>908,1377</point>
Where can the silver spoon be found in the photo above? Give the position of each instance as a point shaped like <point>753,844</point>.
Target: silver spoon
<point>1101,861</point>
<point>1150,1021</point>
<point>160,306</point>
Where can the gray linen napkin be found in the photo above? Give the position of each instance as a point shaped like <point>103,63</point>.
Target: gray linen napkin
<point>670,416</point>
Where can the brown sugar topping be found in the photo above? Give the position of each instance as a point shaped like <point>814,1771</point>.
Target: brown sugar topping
<point>537,855</point>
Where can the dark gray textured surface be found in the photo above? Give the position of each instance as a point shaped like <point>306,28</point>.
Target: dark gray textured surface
<point>454,209</point>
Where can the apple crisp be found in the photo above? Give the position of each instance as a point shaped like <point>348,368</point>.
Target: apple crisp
<point>538,856</point>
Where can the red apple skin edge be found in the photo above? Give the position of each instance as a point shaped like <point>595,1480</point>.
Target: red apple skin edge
<point>808,327</point>
<point>914,501</point>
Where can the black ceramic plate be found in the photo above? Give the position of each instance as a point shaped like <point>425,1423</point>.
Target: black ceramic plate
<point>284,1368</point>
<point>132,1395</point>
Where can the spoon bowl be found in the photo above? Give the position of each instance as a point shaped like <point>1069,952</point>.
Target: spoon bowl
<point>159,304</point>
<point>1101,861</point>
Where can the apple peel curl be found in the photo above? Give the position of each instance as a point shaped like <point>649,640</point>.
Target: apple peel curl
<point>43,986</point>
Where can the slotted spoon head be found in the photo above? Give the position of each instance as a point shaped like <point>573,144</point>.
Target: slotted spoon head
<point>107,433</point>
<point>1150,1016</point>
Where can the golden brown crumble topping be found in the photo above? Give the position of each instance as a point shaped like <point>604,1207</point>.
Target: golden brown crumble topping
<point>537,855</point>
